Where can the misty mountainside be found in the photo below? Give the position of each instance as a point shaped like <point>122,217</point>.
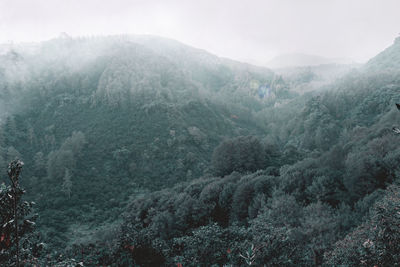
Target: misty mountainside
<point>303,60</point>
<point>143,151</point>
<point>387,60</point>
<point>329,195</point>
<point>311,78</point>
<point>12,72</point>
<point>120,115</point>
<point>132,64</point>
<point>338,155</point>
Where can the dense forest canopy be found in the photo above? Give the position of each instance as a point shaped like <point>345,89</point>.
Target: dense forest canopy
<point>142,150</point>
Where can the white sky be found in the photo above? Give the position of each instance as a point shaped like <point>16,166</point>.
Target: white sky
<point>238,29</point>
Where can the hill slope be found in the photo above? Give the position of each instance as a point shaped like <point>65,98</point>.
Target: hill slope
<point>339,157</point>
<point>387,60</point>
<point>120,115</point>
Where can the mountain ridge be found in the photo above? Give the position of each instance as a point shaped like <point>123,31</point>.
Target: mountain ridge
<point>303,60</point>
<point>387,60</point>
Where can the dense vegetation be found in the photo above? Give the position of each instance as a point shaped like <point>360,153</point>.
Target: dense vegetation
<point>300,213</point>
<point>121,135</point>
<point>152,153</point>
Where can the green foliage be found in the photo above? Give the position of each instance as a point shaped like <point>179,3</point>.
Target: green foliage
<point>108,120</point>
<point>208,244</point>
<point>296,215</point>
<point>376,241</point>
<point>123,117</point>
<point>19,243</point>
<point>241,154</point>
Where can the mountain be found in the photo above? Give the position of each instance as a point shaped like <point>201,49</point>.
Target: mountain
<point>121,115</point>
<point>140,150</point>
<point>338,157</point>
<point>301,60</point>
<point>387,60</point>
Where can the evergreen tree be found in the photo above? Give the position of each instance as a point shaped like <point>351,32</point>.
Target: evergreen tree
<point>17,236</point>
<point>67,183</point>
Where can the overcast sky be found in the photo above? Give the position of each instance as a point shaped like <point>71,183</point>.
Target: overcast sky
<point>245,29</point>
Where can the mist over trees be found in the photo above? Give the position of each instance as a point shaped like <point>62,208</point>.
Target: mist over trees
<point>141,150</point>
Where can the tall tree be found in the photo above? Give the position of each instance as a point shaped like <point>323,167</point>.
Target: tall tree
<point>67,183</point>
<point>16,221</point>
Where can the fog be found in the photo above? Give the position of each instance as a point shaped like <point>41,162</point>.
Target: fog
<point>253,31</point>
<point>140,150</point>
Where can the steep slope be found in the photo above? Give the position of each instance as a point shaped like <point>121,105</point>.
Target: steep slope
<point>387,60</point>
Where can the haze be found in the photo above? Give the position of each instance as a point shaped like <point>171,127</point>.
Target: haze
<point>253,31</point>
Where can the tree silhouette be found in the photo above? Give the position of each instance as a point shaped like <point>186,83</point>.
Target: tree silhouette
<point>396,130</point>
<point>14,170</point>
<point>16,224</point>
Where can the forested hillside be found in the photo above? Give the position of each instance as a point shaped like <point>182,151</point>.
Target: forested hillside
<point>386,60</point>
<point>119,115</point>
<point>141,150</point>
<point>314,209</point>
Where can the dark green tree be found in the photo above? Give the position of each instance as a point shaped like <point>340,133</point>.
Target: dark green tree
<point>16,222</point>
<point>241,154</point>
